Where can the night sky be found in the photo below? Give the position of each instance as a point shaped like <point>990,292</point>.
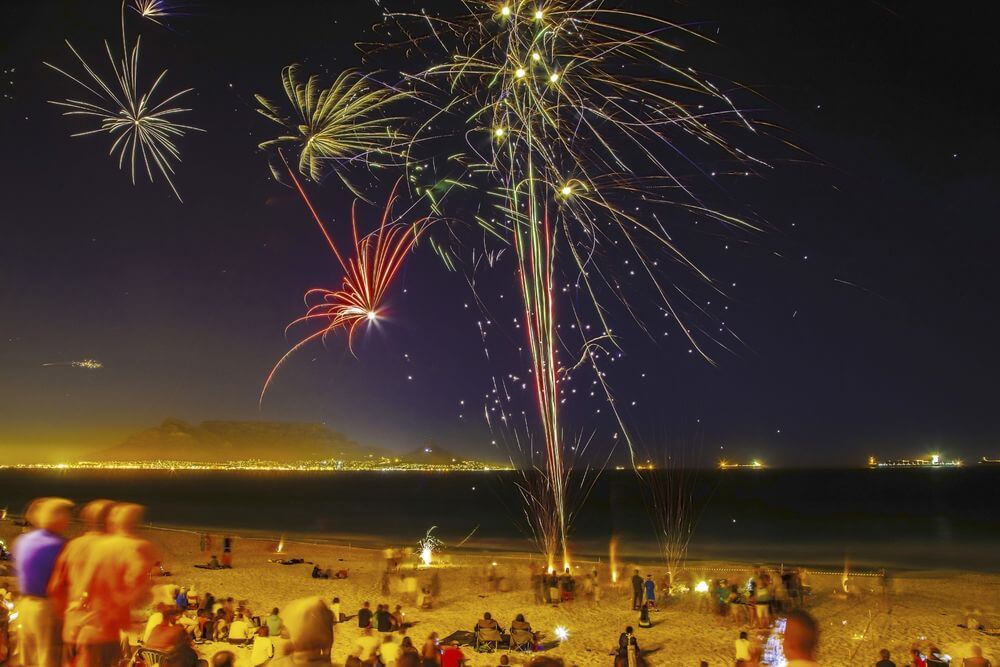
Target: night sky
<point>866,311</point>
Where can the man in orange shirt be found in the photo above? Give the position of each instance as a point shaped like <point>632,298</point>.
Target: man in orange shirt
<point>111,578</point>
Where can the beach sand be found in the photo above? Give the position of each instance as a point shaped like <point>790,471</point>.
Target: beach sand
<point>923,607</point>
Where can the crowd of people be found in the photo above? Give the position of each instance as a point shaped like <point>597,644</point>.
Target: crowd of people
<point>76,598</point>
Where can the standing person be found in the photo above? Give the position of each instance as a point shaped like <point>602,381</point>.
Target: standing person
<point>452,656</point>
<point>365,615</point>
<point>649,592</point>
<point>801,639</point>
<point>35,555</point>
<point>111,580</point>
<point>636,590</point>
<point>430,654</point>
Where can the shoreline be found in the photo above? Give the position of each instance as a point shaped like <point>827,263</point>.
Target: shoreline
<point>922,606</point>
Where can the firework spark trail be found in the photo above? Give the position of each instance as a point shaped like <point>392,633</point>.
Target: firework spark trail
<point>139,127</point>
<point>89,364</point>
<point>571,118</point>
<point>368,274</point>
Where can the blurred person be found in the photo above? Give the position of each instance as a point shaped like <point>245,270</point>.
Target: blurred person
<point>224,659</point>
<point>367,646</point>
<point>274,624</point>
<point>624,640</point>
<point>977,659</point>
<point>801,641</point>
<point>240,630</point>
<point>937,658</point>
<point>883,659</point>
<point>742,648</point>
<point>309,623</point>
<point>112,578</point>
<point>171,639</point>
<point>430,652</point>
<point>406,646</point>
<point>263,648</point>
<point>452,656</point>
<point>396,616</point>
<point>644,620</point>
<point>154,620</point>
<point>389,652</point>
<point>182,599</point>
<point>35,556</point>
<point>338,616</point>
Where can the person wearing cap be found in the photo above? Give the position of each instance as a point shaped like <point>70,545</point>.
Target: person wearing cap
<point>35,555</point>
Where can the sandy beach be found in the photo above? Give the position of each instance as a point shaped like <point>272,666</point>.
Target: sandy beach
<point>922,607</point>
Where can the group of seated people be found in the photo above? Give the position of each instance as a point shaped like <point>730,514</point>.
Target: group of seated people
<point>381,620</point>
<point>488,631</point>
<point>214,564</point>
<point>320,573</point>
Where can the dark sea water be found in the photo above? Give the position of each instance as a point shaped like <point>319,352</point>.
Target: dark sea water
<point>926,519</point>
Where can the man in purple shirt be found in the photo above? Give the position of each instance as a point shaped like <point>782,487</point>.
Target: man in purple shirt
<point>35,555</point>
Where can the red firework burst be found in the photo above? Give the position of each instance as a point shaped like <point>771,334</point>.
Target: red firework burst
<point>368,273</point>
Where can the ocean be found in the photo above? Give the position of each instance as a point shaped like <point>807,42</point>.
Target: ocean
<point>902,519</point>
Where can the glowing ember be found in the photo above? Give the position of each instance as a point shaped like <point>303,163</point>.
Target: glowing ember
<point>562,634</point>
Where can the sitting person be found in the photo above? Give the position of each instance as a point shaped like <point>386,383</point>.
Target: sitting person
<point>520,624</point>
<point>397,618</point>
<point>221,627</point>
<point>319,573</point>
<point>310,631</point>
<point>425,599</point>
<point>644,620</point>
<point>263,647</point>
<point>213,564</point>
<point>171,639</point>
<point>521,634</point>
<point>338,616</point>
<point>452,656</point>
<point>488,623</point>
<point>383,619</point>
<point>240,630</point>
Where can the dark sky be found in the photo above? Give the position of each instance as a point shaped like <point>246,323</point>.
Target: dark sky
<point>866,312</point>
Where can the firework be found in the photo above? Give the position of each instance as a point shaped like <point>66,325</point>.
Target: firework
<point>429,545</point>
<point>368,272</point>
<point>88,364</point>
<point>337,127</point>
<point>143,131</point>
<point>576,121</point>
<point>153,10</point>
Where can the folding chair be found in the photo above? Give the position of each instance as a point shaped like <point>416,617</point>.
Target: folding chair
<point>489,638</point>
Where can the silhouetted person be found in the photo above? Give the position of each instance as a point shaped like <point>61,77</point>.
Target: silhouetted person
<point>636,590</point>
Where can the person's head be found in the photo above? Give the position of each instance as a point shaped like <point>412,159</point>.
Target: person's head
<point>637,571</point>
<point>629,630</point>
<point>124,517</point>
<point>274,612</point>
<point>488,616</point>
<point>94,515</point>
<point>310,625</point>
<point>545,661</point>
<point>51,514</point>
<point>336,600</point>
<point>977,651</point>
<point>224,659</point>
<point>801,635</point>
<point>262,631</point>
<point>407,642</point>
<point>649,576</point>
<point>367,604</point>
<point>504,660</point>
<point>743,635</point>
<point>883,654</point>
<point>519,618</point>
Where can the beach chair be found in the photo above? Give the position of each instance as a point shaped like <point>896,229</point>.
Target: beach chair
<point>488,638</point>
<point>147,656</point>
<point>521,640</point>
